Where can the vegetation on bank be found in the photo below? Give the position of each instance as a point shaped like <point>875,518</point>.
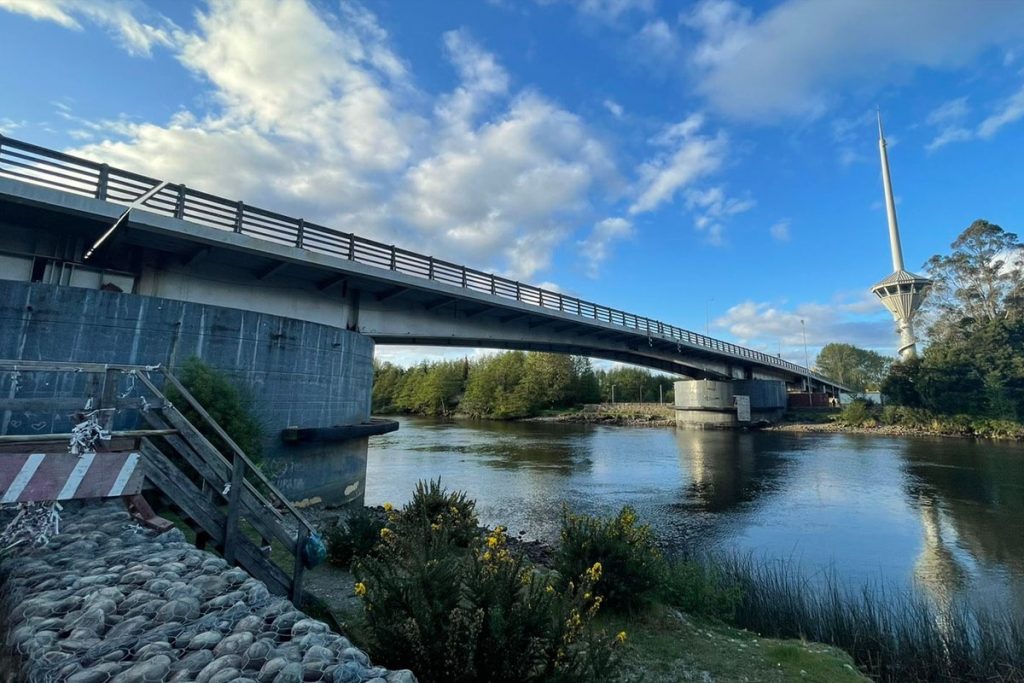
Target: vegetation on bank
<point>867,415</point>
<point>509,385</point>
<point>492,615</point>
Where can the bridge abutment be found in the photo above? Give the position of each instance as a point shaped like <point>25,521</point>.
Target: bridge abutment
<point>714,404</point>
<point>299,374</point>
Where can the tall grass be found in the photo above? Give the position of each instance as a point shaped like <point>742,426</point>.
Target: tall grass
<point>892,635</point>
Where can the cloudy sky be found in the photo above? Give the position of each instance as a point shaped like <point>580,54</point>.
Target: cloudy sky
<point>712,163</point>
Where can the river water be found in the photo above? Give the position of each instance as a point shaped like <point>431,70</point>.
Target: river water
<point>945,515</point>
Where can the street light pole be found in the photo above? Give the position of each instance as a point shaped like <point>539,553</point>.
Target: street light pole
<point>613,393</point>
<point>807,361</point>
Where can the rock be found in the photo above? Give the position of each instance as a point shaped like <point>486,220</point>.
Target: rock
<point>132,625</point>
<point>93,619</point>
<point>194,662</point>
<point>159,647</point>
<point>257,595</point>
<point>268,672</point>
<point>216,666</point>
<point>291,673</point>
<point>152,670</point>
<point>137,577</point>
<point>349,672</point>
<point>181,609</point>
<point>317,653</point>
<point>225,600</point>
<point>234,644</point>
<point>136,598</point>
<point>99,673</point>
<point>205,640</point>
<point>251,623</point>
<point>225,676</point>
<point>403,676</point>
<point>257,654</point>
<point>355,654</point>
<point>304,626</point>
<point>210,586</point>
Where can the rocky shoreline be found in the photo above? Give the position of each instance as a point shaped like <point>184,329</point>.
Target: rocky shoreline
<point>107,600</point>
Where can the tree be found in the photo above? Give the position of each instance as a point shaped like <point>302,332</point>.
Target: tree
<point>980,281</point>
<point>859,369</point>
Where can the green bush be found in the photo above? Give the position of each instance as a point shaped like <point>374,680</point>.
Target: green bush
<point>433,506</point>
<point>353,538</point>
<point>857,414</point>
<point>225,403</point>
<point>701,588</point>
<point>625,550</point>
<point>458,614</point>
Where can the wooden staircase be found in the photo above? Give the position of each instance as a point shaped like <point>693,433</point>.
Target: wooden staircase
<point>216,489</point>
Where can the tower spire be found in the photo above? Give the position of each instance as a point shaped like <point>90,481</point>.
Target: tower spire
<point>902,292</point>
<point>890,202</point>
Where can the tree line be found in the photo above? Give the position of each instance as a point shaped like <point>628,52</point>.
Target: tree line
<point>972,362</point>
<point>510,385</point>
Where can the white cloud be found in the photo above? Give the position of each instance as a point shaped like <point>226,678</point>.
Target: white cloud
<point>614,107</point>
<point>655,45</point>
<point>780,231</point>
<point>686,156</point>
<point>767,326</point>
<point>794,58</point>
<point>330,125</point>
<point>136,36</point>
<point>712,207</point>
<point>597,245</point>
<point>1009,111</point>
<point>611,11</point>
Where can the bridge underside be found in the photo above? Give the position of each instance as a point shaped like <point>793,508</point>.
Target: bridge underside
<point>44,234</point>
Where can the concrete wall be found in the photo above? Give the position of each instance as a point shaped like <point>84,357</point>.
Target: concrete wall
<point>298,373</point>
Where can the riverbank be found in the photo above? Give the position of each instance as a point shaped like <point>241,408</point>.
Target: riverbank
<point>623,414</point>
<point>899,421</point>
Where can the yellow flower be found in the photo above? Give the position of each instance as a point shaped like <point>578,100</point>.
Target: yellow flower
<point>586,596</point>
<point>386,533</point>
<point>527,578</point>
<point>435,527</point>
<point>621,637</point>
<point>487,556</point>
<point>549,589</point>
<point>594,573</point>
<point>388,507</point>
<point>360,589</point>
<point>492,542</point>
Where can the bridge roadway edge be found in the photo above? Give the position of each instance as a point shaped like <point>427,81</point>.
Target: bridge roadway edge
<point>297,373</point>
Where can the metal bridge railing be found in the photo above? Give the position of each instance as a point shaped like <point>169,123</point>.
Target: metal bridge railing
<point>50,168</point>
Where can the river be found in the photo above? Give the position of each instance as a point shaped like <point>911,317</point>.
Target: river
<point>946,515</point>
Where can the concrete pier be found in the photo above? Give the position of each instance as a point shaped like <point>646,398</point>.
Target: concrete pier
<point>711,404</point>
<point>299,374</point>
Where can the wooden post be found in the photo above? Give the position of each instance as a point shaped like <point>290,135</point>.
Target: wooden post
<point>300,569</point>
<point>234,506</point>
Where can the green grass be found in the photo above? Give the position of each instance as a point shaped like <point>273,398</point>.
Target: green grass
<point>666,645</point>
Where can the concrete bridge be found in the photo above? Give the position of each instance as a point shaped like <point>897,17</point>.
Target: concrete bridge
<point>104,265</point>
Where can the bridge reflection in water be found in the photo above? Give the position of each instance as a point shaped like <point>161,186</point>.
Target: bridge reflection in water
<point>941,514</point>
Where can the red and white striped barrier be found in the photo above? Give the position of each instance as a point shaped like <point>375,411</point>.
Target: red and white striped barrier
<point>26,477</point>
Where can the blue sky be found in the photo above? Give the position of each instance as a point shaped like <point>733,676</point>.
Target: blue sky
<point>682,161</point>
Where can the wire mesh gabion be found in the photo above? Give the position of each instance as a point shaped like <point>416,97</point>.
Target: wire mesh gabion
<point>108,601</point>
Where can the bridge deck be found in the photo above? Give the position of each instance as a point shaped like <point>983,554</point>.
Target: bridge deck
<point>179,218</point>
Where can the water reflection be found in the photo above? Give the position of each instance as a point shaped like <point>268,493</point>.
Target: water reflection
<point>725,468</point>
<point>944,514</point>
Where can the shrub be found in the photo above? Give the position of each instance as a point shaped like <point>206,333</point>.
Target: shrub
<point>433,505</point>
<point>478,614</point>
<point>354,538</point>
<point>856,414</point>
<point>626,551</point>
<point>225,403</point>
<point>700,587</point>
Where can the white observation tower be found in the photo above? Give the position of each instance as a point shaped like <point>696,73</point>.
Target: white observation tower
<point>902,292</point>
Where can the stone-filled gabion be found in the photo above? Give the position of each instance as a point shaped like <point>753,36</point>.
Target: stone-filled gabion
<point>107,601</point>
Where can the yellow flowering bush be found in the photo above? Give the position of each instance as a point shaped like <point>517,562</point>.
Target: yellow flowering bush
<point>354,537</point>
<point>457,613</point>
<point>617,555</point>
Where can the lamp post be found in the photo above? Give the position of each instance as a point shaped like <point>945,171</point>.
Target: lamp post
<point>613,393</point>
<point>807,362</point>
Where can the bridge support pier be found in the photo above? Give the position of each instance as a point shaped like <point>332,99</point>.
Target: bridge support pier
<point>299,374</point>
<point>736,404</point>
